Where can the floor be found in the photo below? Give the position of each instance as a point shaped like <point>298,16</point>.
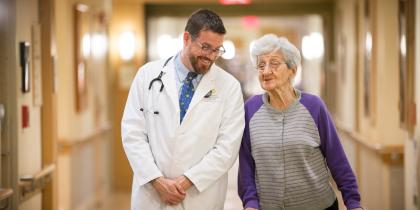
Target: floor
<point>121,201</point>
<point>117,201</point>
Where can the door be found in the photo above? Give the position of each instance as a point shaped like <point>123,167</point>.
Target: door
<point>6,192</point>
<point>8,104</point>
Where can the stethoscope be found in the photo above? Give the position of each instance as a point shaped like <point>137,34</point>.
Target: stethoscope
<point>158,79</point>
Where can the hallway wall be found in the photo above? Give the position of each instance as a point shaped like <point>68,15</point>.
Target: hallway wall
<point>346,62</point>
<point>373,139</point>
<point>346,65</point>
<point>386,63</point>
<point>29,139</point>
<point>127,15</point>
<point>91,161</point>
<point>84,135</point>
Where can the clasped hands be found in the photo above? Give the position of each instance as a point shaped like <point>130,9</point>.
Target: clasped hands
<point>172,191</point>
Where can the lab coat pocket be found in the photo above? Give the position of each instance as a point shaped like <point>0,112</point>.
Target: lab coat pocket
<point>148,117</point>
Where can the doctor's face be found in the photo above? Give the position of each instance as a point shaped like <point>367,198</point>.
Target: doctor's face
<point>203,51</point>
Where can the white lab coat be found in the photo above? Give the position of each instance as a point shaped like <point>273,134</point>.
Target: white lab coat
<point>203,147</point>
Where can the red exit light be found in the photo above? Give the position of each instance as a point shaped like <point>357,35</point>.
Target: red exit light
<point>232,2</point>
<point>250,21</point>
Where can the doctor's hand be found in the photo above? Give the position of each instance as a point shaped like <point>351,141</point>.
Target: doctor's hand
<point>184,182</point>
<point>169,190</point>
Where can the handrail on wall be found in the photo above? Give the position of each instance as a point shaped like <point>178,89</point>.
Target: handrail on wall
<point>69,145</point>
<point>32,184</point>
<point>5,193</point>
<point>391,154</point>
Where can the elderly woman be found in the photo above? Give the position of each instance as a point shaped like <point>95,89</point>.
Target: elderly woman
<point>290,141</point>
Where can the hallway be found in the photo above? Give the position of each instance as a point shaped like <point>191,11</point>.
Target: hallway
<point>121,200</point>
<point>66,68</point>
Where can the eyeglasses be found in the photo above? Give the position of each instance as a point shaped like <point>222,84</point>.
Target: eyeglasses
<point>273,64</point>
<point>207,49</point>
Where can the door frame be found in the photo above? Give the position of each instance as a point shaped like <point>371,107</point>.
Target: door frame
<point>49,102</point>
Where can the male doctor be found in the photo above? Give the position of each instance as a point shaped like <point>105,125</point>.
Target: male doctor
<point>183,123</point>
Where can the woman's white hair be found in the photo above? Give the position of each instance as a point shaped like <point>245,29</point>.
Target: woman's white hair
<point>272,43</point>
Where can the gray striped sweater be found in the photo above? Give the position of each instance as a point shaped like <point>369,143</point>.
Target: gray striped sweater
<point>282,162</point>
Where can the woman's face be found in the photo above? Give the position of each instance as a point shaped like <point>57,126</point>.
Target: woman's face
<point>273,72</point>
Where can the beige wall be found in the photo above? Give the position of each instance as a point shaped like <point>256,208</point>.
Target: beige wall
<point>312,69</point>
<point>84,159</point>
<point>73,124</point>
<point>387,47</point>
<point>126,15</point>
<point>383,127</point>
<point>29,139</point>
<point>346,62</point>
<point>373,144</point>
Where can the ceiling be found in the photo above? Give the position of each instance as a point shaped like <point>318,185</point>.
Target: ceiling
<point>217,1</point>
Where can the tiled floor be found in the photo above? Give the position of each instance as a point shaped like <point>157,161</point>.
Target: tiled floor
<point>121,201</point>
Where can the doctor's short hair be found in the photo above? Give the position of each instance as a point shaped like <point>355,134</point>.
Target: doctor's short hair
<point>203,20</point>
<point>272,43</point>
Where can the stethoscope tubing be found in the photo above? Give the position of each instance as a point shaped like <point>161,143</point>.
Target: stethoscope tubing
<point>159,80</point>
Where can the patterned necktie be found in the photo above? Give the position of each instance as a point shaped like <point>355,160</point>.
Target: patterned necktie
<point>187,92</point>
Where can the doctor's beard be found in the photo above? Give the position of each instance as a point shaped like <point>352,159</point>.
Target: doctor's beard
<point>199,66</point>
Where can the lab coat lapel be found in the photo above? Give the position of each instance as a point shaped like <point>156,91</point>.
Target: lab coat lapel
<point>169,81</point>
<point>206,84</point>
